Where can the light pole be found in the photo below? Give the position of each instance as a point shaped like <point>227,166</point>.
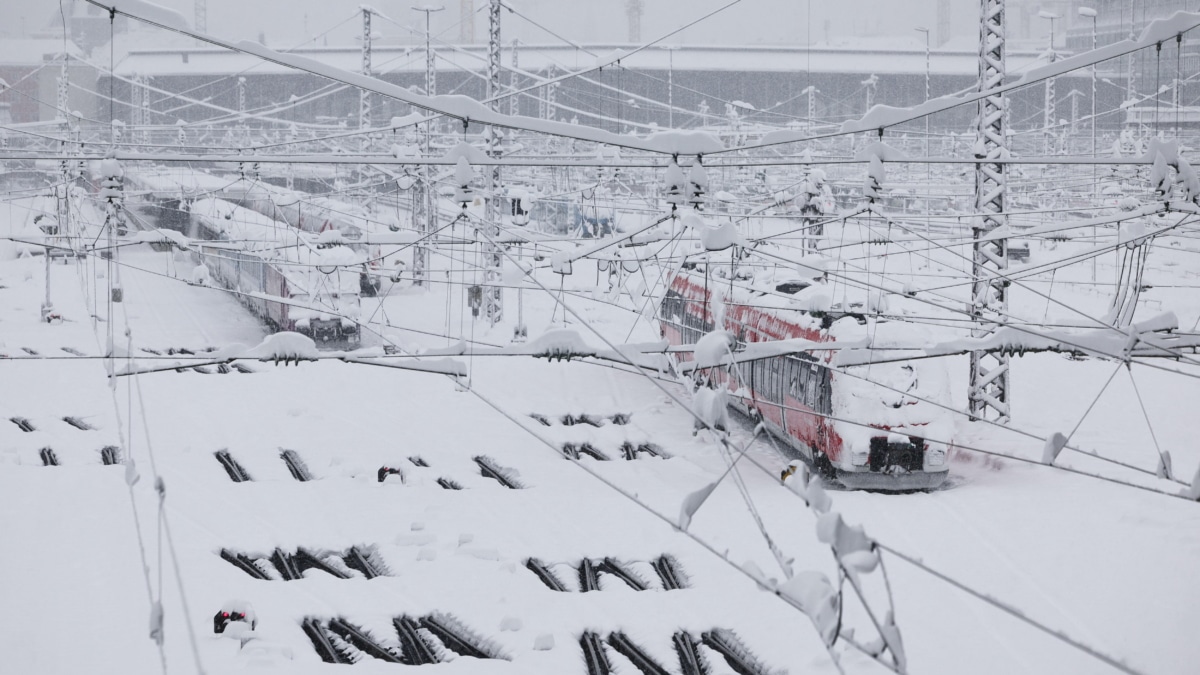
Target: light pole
<point>928,166</point>
<point>670,83</point>
<point>1088,12</point>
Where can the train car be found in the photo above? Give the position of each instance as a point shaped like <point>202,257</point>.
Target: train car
<point>843,424</point>
<point>315,215</point>
<point>288,282</point>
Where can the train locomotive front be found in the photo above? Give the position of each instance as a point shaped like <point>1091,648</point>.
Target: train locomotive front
<point>879,427</point>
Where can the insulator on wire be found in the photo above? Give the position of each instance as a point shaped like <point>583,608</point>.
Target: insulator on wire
<point>697,184</point>
<point>111,184</point>
<point>675,185</point>
<point>464,194</point>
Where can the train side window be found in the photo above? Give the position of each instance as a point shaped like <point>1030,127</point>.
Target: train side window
<point>780,382</point>
<point>826,392</point>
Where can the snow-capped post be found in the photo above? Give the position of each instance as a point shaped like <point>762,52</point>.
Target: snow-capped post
<point>493,255</point>
<point>988,388</point>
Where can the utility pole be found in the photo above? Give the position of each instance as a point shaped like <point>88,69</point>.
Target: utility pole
<point>201,21</point>
<point>424,197</point>
<point>493,257</point>
<point>988,388</point>
<point>364,96</point>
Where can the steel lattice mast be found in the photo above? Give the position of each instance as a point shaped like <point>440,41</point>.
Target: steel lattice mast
<point>514,102</point>
<point>145,105</point>
<point>988,390</point>
<point>364,96</point>
<point>62,191</point>
<point>493,257</point>
<point>424,204</point>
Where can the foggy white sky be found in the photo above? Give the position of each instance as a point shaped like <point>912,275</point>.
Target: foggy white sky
<point>750,22</point>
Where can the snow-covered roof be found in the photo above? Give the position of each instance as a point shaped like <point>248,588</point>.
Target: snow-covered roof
<point>25,52</point>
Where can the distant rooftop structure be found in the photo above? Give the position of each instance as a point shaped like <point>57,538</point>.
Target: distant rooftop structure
<point>866,57</point>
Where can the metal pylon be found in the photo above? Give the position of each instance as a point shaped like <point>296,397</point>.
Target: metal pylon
<point>364,96</point>
<point>145,104</point>
<point>514,102</point>
<point>421,213</point>
<point>1049,112</point>
<point>988,390</point>
<point>493,257</point>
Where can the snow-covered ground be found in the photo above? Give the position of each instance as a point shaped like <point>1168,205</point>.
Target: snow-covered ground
<point>87,552</point>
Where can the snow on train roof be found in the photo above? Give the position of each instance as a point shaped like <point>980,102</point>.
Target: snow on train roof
<point>245,226</point>
<point>172,182</point>
<point>310,270</point>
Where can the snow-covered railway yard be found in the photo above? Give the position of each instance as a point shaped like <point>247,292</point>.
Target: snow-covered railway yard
<point>806,386</point>
<point>1107,564</point>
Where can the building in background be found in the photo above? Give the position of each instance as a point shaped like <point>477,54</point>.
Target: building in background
<point>1117,20</point>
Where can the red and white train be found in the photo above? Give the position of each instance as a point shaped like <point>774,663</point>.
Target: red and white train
<point>840,421</point>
